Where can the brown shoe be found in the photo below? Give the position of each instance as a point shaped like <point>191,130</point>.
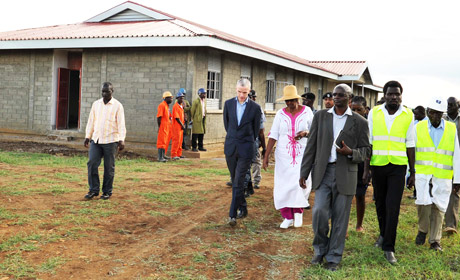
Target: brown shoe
<point>450,230</point>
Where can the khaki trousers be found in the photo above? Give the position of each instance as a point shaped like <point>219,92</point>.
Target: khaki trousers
<point>430,221</point>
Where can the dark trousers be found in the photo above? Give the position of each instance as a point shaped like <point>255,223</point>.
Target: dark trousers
<point>238,168</point>
<point>330,204</point>
<point>388,182</point>
<point>96,152</point>
<point>198,137</point>
<point>451,217</point>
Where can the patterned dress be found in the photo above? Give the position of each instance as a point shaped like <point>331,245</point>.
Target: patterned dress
<point>288,158</point>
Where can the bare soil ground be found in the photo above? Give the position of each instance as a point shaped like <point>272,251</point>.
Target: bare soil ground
<point>164,221</point>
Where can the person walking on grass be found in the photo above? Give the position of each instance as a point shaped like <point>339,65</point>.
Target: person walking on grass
<point>242,123</point>
<point>338,140</point>
<point>437,162</point>
<point>451,216</point>
<point>392,141</point>
<point>358,105</point>
<point>290,129</point>
<point>164,127</point>
<point>105,135</point>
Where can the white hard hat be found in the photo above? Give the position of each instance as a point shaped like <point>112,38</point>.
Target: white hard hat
<point>438,103</point>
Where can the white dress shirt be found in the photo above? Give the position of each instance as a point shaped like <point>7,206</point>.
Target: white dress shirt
<point>338,122</point>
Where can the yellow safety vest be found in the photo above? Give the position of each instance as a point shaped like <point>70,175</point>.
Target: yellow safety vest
<point>389,148</point>
<point>431,160</point>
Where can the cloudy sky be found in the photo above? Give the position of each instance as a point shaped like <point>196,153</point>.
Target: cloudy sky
<point>414,42</point>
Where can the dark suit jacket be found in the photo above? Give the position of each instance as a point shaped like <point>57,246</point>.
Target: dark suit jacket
<point>240,138</point>
<point>355,134</point>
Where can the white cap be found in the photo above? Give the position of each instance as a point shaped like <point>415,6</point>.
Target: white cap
<point>438,103</point>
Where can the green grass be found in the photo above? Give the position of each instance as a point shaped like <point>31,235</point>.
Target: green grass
<point>16,266</point>
<point>30,159</point>
<point>212,249</point>
<point>69,177</point>
<point>204,172</point>
<point>361,260</point>
<point>174,199</point>
<point>6,215</point>
<point>51,264</point>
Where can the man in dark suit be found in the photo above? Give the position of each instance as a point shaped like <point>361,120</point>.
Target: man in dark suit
<point>338,141</point>
<point>242,123</point>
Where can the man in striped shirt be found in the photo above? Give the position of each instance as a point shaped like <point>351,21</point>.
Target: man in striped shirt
<point>105,134</point>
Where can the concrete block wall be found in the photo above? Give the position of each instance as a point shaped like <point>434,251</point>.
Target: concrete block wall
<point>43,91</point>
<point>139,78</point>
<point>25,91</point>
<point>14,89</point>
<point>91,82</point>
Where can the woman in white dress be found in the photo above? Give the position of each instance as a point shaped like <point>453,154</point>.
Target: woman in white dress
<point>290,128</point>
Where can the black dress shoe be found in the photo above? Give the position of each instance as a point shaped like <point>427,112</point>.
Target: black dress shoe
<point>379,242</point>
<point>332,266</point>
<point>194,150</point>
<point>90,195</point>
<point>420,239</point>
<point>232,222</point>
<point>105,196</point>
<point>436,246</point>
<point>390,256</point>
<point>229,183</point>
<point>243,213</point>
<point>318,259</point>
<point>202,149</point>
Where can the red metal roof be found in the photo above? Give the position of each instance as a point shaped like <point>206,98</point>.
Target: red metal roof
<point>176,27</point>
<point>344,68</point>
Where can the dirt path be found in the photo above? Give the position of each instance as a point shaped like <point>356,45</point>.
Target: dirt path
<point>164,221</point>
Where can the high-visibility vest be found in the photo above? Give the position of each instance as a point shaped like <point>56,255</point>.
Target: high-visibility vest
<point>389,148</point>
<point>431,160</point>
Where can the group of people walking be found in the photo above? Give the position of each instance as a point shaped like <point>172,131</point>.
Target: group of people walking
<point>334,151</point>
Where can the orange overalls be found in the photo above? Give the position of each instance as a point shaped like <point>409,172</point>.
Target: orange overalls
<point>177,135</point>
<point>164,131</point>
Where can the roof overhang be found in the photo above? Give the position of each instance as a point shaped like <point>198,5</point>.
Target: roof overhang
<point>373,87</point>
<point>199,41</point>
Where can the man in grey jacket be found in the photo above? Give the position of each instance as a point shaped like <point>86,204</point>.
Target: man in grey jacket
<point>338,140</point>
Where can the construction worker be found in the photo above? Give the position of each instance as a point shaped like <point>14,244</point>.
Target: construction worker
<point>164,126</point>
<point>178,127</point>
<point>437,160</point>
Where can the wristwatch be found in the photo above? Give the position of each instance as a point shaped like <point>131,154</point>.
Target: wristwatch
<point>412,171</point>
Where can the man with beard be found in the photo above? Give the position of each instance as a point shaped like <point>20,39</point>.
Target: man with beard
<point>452,209</point>
<point>164,126</point>
<point>391,128</point>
